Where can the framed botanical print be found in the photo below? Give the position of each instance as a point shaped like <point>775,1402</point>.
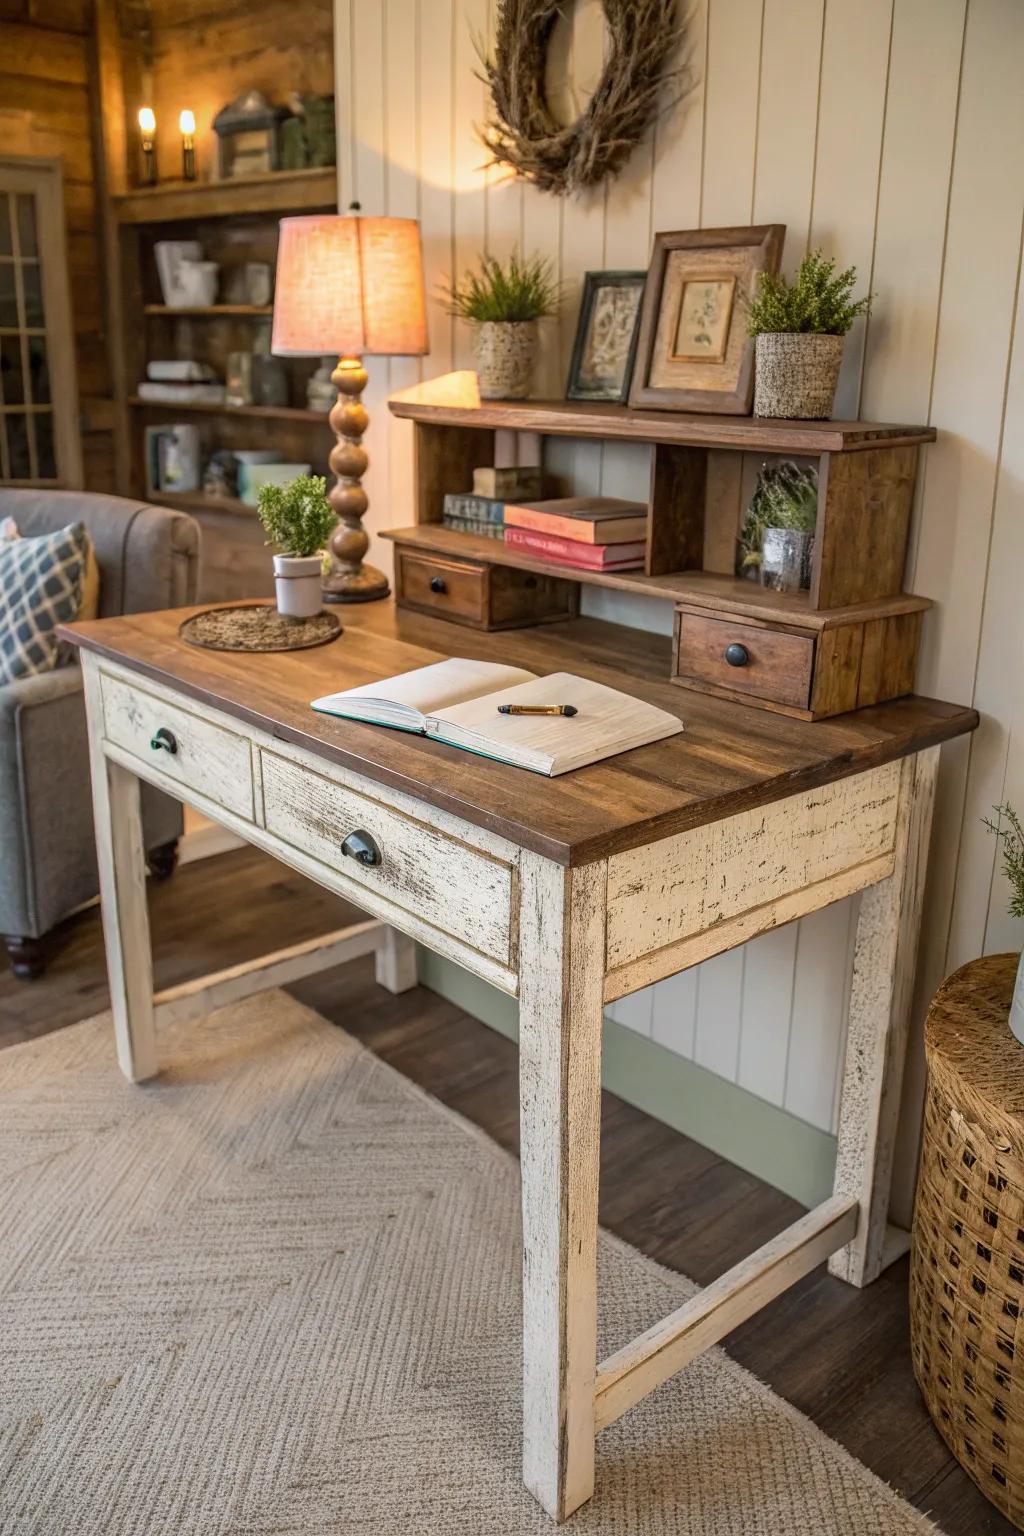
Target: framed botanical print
<point>602,355</point>
<point>693,352</point>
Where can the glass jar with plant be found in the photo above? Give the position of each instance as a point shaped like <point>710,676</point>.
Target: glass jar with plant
<point>298,520</point>
<point>777,540</point>
<point>504,301</point>
<point>1009,830</point>
<point>800,329</point>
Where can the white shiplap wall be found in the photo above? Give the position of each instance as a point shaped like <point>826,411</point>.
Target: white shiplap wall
<point>891,132</point>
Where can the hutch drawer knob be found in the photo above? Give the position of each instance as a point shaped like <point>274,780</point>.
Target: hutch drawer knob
<point>165,739</point>
<point>737,655</point>
<point>438,584</point>
<point>361,846</point>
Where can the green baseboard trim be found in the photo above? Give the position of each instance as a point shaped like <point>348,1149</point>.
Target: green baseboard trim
<point>755,1135</point>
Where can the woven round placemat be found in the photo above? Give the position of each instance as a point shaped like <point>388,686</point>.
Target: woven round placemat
<point>257,627</point>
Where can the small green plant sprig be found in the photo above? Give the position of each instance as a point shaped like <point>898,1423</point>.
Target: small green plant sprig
<point>518,290</point>
<point>786,497</point>
<point>1008,828</point>
<point>817,301</point>
<point>297,517</point>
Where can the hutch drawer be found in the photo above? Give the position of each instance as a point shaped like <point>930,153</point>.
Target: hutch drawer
<point>751,660</point>
<point>189,750</point>
<point>480,595</point>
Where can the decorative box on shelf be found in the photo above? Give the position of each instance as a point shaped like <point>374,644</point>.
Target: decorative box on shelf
<point>848,641</point>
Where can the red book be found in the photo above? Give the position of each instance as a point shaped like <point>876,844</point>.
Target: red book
<point>588,557</point>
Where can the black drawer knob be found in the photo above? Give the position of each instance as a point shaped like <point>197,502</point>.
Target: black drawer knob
<point>737,655</point>
<point>361,846</point>
<point>438,584</point>
<point>164,740</point>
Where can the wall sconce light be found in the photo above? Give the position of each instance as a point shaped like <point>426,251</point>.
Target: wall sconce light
<point>147,128</point>
<point>187,125</point>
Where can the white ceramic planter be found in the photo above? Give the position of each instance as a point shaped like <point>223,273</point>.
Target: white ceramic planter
<point>795,375</point>
<point>505,351</point>
<point>297,581</point>
<point>1017,1006</point>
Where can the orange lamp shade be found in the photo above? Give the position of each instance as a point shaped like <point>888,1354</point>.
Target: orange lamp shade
<point>349,285</point>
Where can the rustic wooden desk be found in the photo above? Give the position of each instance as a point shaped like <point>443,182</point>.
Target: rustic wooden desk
<point>565,893</point>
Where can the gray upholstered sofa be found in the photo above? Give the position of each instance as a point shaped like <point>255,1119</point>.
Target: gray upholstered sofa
<point>148,558</point>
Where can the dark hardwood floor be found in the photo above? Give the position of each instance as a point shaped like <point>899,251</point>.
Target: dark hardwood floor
<point>839,1355</point>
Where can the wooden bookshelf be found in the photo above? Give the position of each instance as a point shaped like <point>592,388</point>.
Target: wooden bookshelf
<point>195,502</point>
<point>209,312</point>
<point>208,408</point>
<point>850,640</point>
<point>278,193</point>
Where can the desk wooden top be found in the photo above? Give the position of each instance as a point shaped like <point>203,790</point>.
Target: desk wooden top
<point>729,758</point>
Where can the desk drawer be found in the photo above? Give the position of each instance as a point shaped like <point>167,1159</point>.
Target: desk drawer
<point>763,663</point>
<point>447,884</point>
<point>196,753</point>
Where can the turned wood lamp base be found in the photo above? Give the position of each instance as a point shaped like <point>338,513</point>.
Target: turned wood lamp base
<point>349,580</point>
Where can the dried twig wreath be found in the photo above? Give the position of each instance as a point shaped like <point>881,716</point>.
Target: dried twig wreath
<point>643,37</point>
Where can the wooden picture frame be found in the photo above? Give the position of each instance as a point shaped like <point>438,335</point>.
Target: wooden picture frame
<point>692,350</point>
<point>616,388</point>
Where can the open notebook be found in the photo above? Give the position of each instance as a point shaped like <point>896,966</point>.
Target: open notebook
<point>457,702</point>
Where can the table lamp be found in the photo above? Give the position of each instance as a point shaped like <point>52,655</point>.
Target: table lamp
<point>352,286</point>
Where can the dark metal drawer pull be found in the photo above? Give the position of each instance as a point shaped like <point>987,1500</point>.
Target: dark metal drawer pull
<point>737,655</point>
<point>165,739</point>
<point>438,584</point>
<point>361,846</point>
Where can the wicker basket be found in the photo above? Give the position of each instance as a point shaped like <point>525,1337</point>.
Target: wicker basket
<point>967,1260</point>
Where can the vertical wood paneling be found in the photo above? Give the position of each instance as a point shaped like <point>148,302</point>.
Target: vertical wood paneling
<point>892,133</point>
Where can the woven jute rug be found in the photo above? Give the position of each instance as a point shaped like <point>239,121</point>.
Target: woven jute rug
<point>277,1290</point>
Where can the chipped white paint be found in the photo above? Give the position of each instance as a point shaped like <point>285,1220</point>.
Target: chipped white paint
<point>880,999</point>
<point>209,756</point>
<point>660,1353</point>
<point>562,920</point>
<point>120,854</point>
<point>683,886</point>
<point>444,882</point>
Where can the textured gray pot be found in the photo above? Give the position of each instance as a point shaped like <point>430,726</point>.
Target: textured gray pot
<point>1017,1006</point>
<point>504,351</point>
<point>795,374</point>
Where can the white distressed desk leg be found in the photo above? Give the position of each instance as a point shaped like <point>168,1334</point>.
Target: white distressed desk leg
<point>395,962</point>
<point>880,1001</point>
<point>121,856</point>
<point>561,968</point>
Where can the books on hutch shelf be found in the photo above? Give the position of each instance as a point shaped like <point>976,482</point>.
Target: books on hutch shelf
<point>456,702</point>
<point>586,557</point>
<point>581,519</point>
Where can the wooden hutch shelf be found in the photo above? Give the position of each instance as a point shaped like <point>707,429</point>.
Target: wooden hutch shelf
<point>851,640</point>
<point>280,192</point>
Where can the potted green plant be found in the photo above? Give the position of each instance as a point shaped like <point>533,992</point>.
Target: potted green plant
<point>777,540</point>
<point>298,520</point>
<point>1008,828</point>
<point>504,303</point>
<point>800,330</point>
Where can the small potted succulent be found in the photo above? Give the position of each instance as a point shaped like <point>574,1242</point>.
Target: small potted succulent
<point>800,330</point>
<point>298,520</point>
<point>1009,829</point>
<point>777,541</point>
<point>504,304</point>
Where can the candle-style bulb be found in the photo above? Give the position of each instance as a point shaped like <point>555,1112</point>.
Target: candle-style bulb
<point>147,128</point>
<point>187,125</point>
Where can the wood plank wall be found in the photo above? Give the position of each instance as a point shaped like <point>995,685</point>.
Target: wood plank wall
<point>47,109</point>
<point>891,132</point>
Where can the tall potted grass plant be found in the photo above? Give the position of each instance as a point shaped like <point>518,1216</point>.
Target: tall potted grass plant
<point>503,302</point>
<point>800,330</point>
<point>1009,830</point>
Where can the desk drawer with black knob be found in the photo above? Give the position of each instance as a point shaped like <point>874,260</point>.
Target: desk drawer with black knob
<point>754,662</point>
<point>480,595</point>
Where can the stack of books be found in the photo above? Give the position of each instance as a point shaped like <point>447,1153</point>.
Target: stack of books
<point>595,533</point>
<point>482,511</point>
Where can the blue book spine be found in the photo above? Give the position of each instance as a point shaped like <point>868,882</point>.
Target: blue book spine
<point>474,509</point>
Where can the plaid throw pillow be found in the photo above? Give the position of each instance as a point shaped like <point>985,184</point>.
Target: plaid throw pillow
<point>40,588</point>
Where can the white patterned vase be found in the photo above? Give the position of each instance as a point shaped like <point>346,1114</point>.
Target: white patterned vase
<point>1017,1006</point>
<point>505,352</point>
<point>795,374</point>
